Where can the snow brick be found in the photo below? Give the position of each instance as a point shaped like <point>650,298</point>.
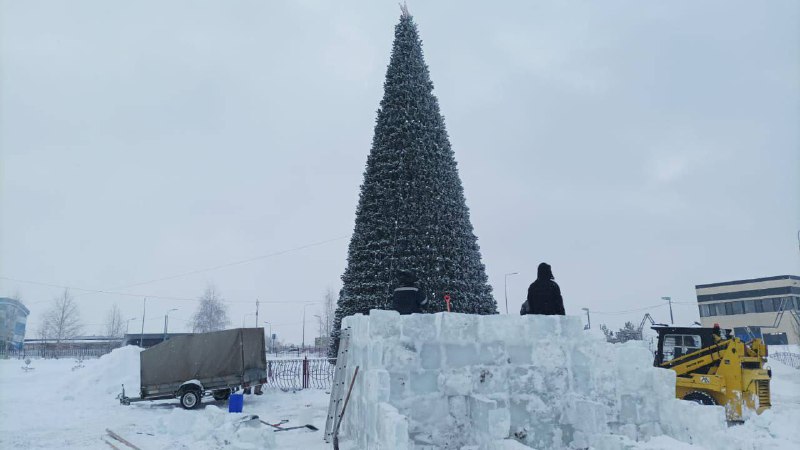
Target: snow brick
<point>454,381</point>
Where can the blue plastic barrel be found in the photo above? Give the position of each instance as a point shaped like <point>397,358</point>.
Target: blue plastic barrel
<point>235,403</point>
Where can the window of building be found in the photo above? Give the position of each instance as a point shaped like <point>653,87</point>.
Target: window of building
<point>759,305</point>
<point>738,307</point>
<point>712,310</point>
<point>677,345</point>
<point>750,306</point>
<point>776,339</point>
<point>703,310</point>
<point>766,304</point>
<point>777,303</point>
<point>728,309</point>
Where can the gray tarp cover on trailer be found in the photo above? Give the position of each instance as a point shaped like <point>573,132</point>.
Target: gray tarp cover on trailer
<point>203,355</point>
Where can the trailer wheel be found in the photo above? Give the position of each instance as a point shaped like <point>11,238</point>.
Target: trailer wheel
<point>222,394</point>
<point>700,398</point>
<point>190,399</point>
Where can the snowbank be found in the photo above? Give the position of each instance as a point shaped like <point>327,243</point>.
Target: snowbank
<point>791,348</point>
<point>89,392</point>
<point>453,380</point>
<point>32,418</point>
<point>106,375</point>
<point>214,427</point>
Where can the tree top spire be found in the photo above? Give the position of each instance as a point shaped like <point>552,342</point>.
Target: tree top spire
<point>404,11</point>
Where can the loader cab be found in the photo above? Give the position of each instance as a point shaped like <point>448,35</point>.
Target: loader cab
<point>674,342</point>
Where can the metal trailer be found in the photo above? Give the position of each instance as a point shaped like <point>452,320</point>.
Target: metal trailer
<point>192,366</point>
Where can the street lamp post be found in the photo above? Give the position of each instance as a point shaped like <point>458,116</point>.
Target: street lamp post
<point>128,324</point>
<point>304,325</point>
<point>669,299</point>
<point>166,321</point>
<point>505,286</point>
<point>319,318</point>
<point>588,319</point>
<point>144,310</point>
<point>270,335</point>
<point>321,330</point>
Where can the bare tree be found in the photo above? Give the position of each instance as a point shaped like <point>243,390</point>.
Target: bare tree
<point>114,322</point>
<point>62,320</point>
<point>211,314</point>
<point>325,320</point>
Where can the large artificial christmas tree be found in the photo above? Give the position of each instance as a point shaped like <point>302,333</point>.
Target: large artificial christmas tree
<point>412,214</point>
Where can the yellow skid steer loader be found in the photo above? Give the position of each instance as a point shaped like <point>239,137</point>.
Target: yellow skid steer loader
<point>716,368</point>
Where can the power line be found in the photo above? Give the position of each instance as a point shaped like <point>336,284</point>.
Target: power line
<point>160,297</point>
<point>234,263</point>
<point>94,291</point>
<point>611,313</point>
<point>113,291</point>
<point>644,308</point>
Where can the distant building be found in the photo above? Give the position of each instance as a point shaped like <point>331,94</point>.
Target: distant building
<point>13,316</point>
<point>148,340</point>
<point>767,306</point>
<point>322,342</point>
<point>91,345</point>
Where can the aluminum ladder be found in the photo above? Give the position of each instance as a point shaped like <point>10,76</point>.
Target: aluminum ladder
<point>338,388</point>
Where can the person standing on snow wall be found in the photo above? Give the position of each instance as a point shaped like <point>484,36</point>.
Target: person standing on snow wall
<point>407,297</point>
<point>544,295</point>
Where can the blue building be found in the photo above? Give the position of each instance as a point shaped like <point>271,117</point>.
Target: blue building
<point>13,316</point>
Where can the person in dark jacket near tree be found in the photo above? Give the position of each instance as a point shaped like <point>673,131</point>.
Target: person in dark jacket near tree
<point>544,295</point>
<point>407,297</point>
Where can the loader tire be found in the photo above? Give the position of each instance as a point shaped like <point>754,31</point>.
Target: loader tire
<point>700,398</point>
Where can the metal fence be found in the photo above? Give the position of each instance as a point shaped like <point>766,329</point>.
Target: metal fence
<point>295,374</point>
<point>790,359</point>
<point>57,353</point>
<point>289,374</point>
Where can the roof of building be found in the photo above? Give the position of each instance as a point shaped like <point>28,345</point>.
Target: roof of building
<point>752,280</point>
<point>151,335</point>
<point>75,340</point>
<point>16,303</point>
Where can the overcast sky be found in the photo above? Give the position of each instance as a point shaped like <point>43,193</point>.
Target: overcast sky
<point>639,147</point>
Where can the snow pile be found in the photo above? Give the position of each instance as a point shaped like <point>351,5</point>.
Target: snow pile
<point>791,348</point>
<point>38,421</point>
<point>106,375</point>
<point>451,380</point>
<point>97,384</point>
<point>213,428</point>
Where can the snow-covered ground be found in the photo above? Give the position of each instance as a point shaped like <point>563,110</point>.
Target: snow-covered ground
<point>784,348</point>
<point>55,407</point>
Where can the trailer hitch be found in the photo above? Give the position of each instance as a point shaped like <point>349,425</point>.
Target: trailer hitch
<point>123,400</point>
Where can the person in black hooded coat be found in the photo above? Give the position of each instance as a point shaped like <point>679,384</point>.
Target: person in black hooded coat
<point>544,295</point>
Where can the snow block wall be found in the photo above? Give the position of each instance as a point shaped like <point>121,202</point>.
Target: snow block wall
<point>455,381</point>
